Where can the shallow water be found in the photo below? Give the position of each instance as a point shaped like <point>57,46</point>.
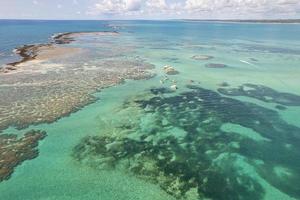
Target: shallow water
<point>224,145</point>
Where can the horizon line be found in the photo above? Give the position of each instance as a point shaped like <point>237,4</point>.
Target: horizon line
<point>228,21</point>
<point>155,19</point>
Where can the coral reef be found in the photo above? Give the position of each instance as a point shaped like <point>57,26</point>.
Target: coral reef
<point>67,38</point>
<point>44,91</point>
<point>280,107</point>
<point>202,57</point>
<point>263,93</point>
<point>14,151</point>
<point>224,84</point>
<point>177,142</point>
<point>215,65</point>
<point>253,59</point>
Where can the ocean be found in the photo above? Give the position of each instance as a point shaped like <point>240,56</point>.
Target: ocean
<point>217,119</point>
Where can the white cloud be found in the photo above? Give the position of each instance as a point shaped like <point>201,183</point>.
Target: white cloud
<point>133,5</point>
<point>108,7</point>
<point>59,6</point>
<point>130,7</point>
<point>195,8</point>
<point>75,2</point>
<point>35,2</point>
<point>157,4</point>
<point>116,7</point>
<point>247,5</point>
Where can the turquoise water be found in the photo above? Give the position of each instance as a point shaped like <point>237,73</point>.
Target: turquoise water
<point>205,140</point>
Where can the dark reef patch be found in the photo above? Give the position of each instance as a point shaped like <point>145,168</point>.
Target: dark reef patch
<point>14,151</point>
<point>224,84</point>
<point>184,150</point>
<point>262,93</point>
<point>63,38</point>
<point>161,90</point>
<point>216,65</point>
<point>253,59</point>
<point>280,107</point>
<point>268,49</point>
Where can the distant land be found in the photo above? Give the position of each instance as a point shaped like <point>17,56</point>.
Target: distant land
<point>281,21</point>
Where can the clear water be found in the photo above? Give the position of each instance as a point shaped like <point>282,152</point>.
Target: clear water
<point>221,127</point>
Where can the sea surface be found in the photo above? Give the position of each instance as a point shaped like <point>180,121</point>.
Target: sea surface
<point>225,126</point>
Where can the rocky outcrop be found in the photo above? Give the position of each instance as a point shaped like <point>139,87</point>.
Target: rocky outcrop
<point>169,70</point>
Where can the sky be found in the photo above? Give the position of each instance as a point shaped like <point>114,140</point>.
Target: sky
<point>149,9</point>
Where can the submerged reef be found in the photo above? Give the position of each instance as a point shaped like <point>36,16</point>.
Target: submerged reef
<point>224,84</point>
<point>261,48</point>
<point>280,107</point>
<point>177,141</point>
<point>215,65</point>
<point>253,59</point>
<point>202,57</point>
<point>15,150</point>
<point>263,93</point>
<point>47,87</point>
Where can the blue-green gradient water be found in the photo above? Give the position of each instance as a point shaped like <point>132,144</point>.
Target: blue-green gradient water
<point>226,133</point>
